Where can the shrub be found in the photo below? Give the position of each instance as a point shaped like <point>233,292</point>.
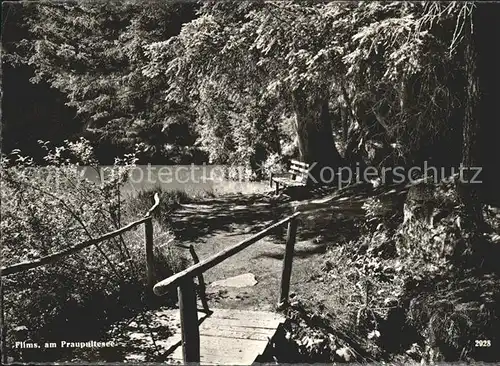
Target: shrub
<point>380,210</point>
<point>273,164</point>
<point>420,290</point>
<point>144,200</point>
<point>48,209</point>
<point>453,310</point>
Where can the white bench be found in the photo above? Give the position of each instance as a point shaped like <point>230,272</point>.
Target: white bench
<point>298,176</point>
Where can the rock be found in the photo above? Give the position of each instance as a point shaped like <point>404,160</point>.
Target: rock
<point>319,239</point>
<point>345,353</point>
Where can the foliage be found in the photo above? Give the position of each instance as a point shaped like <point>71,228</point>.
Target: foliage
<point>209,65</point>
<point>273,164</point>
<point>311,337</point>
<point>416,280</point>
<point>93,53</point>
<point>169,201</point>
<point>233,74</point>
<point>374,208</point>
<point>394,69</point>
<point>46,210</point>
<point>42,114</point>
<point>451,311</point>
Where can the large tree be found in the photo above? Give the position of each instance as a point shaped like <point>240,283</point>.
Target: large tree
<point>393,68</point>
<point>385,81</point>
<point>255,54</point>
<point>93,53</point>
<point>482,92</point>
<point>30,112</point>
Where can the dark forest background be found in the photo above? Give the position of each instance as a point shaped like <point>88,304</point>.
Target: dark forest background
<point>387,82</point>
<point>254,84</point>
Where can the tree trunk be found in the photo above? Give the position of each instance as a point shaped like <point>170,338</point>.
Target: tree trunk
<point>471,157</point>
<point>314,132</point>
<point>489,76</point>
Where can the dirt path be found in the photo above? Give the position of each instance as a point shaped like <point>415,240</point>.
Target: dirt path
<point>215,224</point>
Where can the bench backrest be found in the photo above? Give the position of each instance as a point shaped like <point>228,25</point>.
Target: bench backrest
<point>299,171</point>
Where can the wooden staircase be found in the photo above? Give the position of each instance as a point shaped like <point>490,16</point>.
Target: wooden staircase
<point>230,337</point>
<point>224,336</point>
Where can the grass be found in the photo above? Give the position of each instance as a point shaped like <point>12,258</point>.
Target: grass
<point>420,308</point>
<point>88,294</point>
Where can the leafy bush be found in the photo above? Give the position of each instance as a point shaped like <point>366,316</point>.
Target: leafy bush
<point>411,280</point>
<point>48,209</point>
<point>374,208</point>
<point>273,164</point>
<point>451,311</point>
<point>144,200</point>
<point>382,211</point>
<point>311,336</point>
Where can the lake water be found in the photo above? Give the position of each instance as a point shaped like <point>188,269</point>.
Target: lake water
<point>191,179</point>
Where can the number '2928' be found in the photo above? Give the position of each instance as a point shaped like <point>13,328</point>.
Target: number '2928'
<point>483,343</point>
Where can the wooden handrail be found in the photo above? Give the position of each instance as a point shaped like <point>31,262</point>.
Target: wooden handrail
<point>187,293</point>
<point>162,287</point>
<point>24,266</point>
<point>201,282</point>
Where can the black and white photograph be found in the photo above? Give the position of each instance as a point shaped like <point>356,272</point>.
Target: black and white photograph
<point>249,182</point>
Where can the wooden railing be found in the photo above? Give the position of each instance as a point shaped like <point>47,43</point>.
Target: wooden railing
<point>184,281</point>
<point>25,266</point>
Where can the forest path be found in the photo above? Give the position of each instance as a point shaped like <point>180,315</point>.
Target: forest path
<point>214,224</point>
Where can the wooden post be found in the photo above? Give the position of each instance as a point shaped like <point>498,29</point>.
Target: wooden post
<point>287,262</point>
<point>201,282</point>
<point>148,230</point>
<point>189,321</point>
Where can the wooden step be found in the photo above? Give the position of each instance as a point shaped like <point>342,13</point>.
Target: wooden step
<point>232,337</point>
